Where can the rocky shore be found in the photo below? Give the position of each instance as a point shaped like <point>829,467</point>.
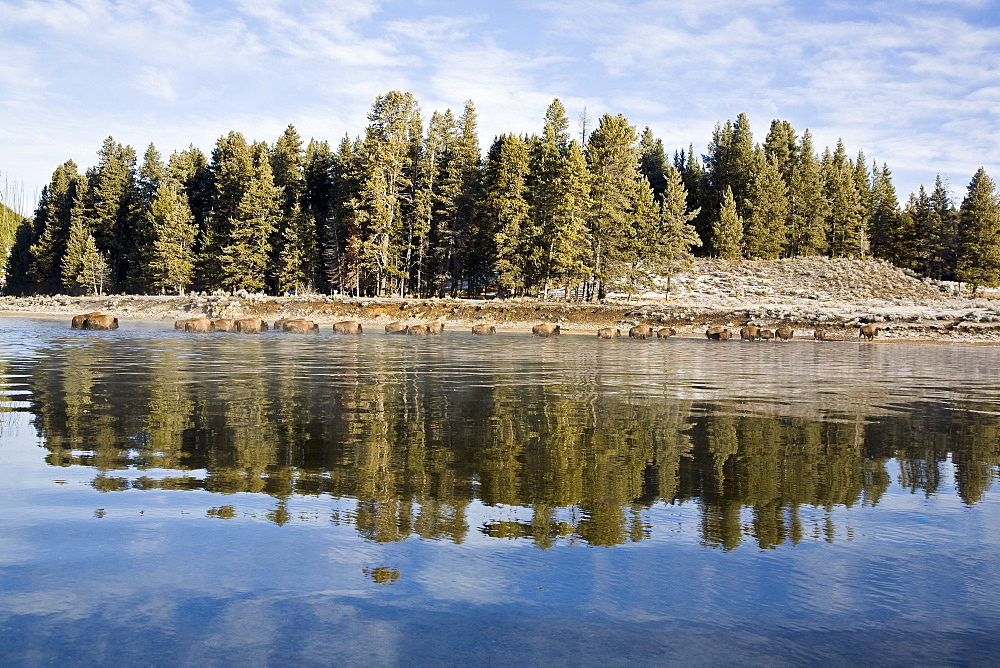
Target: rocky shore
<point>806,293</point>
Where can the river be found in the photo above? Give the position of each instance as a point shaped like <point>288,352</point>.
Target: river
<point>181,499</point>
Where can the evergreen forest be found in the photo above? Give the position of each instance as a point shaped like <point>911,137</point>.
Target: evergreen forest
<point>414,209</point>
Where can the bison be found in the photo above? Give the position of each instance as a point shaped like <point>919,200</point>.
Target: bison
<point>784,333</point>
<point>418,330</point>
<point>867,331</point>
<point>609,333</point>
<point>251,326</point>
<point>100,322</point>
<point>545,329</point>
<point>347,327</point>
<point>435,327</point>
<point>714,332</point>
<point>718,334</point>
<point>750,333</point>
<point>395,328</point>
<point>765,335</point>
<point>299,326</point>
<point>224,325</point>
<point>665,332</point>
<point>483,329</point>
<point>77,322</point>
<point>641,332</point>
<point>199,325</point>
<point>819,335</point>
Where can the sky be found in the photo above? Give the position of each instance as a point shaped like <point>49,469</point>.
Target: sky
<point>914,84</point>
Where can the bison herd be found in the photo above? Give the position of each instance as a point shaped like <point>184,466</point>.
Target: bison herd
<point>100,321</point>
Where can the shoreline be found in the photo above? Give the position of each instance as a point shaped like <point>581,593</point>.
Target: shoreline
<point>973,324</point>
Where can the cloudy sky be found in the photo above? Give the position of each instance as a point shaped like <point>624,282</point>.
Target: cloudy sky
<point>914,84</point>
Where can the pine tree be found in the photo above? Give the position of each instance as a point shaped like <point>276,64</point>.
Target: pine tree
<point>52,222</point>
<point>505,210</point>
<point>467,263</point>
<point>764,233</point>
<point>730,163</point>
<point>558,191</point>
<point>343,237</point>
<point>112,211</point>
<point>246,255</point>
<point>696,184</point>
<point>808,204</point>
<point>668,248</point>
<point>727,233</point>
<point>979,234</point>
<point>568,239</point>
<point>618,191</point>
<point>172,256</point>
<point>385,186</point>
<point>232,171</point>
<point>318,204</point>
<point>286,157</point>
<point>95,272</point>
<point>652,161</point>
<point>781,145</point>
<point>892,236</point>
<point>294,244</point>
<point>151,173</point>
<point>846,233</point>
<point>297,255</point>
<point>937,230</point>
<point>77,248</point>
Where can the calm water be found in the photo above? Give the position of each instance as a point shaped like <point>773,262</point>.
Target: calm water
<point>173,499</point>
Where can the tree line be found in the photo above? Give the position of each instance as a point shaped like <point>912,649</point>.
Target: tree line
<point>414,209</point>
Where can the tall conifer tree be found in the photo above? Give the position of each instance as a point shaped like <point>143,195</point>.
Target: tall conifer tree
<point>52,222</point>
<point>727,233</point>
<point>979,234</point>
<point>764,230</point>
<point>172,256</point>
<point>247,251</point>
<point>505,210</point>
<point>808,203</point>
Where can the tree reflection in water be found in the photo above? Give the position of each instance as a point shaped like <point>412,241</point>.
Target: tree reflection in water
<point>414,455</point>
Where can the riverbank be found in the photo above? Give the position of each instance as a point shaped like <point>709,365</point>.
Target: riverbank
<point>805,293</point>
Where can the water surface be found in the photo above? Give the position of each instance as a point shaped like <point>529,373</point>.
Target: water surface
<point>175,499</point>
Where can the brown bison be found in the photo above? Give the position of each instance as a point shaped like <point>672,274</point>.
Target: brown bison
<point>435,327</point>
<point>721,334</point>
<point>641,332</point>
<point>347,327</point>
<point>100,322</point>
<point>224,325</point>
<point>395,328</point>
<point>545,329</point>
<point>418,330</point>
<point>765,335</point>
<point>714,332</point>
<point>609,333</point>
<point>482,329</point>
<point>78,320</point>
<point>868,331</point>
<point>251,326</point>
<point>179,324</point>
<point>819,335</point>
<point>665,332</point>
<point>199,325</point>
<point>750,333</point>
<point>784,333</point>
<point>300,326</point>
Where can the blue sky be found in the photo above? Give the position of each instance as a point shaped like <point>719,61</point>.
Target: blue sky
<point>914,84</point>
